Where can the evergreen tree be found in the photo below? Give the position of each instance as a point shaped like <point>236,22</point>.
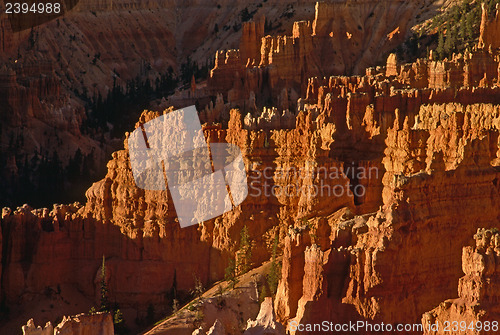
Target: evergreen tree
<point>175,306</point>
<point>440,47</point>
<point>104,288</point>
<point>264,292</point>
<point>230,274</point>
<point>449,44</point>
<point>469,26</point>
<point>462,31</point>
<point>245,15</point>
<point>275,272</point>
<point>244,254</point>
<point>119,323</point>
<point>174,286</point>
<point>118,317</point>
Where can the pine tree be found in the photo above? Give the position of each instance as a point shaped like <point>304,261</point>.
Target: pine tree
<point>104,288</point>
<point>462,31</point>
<point>119,323</point>
<point>275,272</point>
<point>469,26</point>
<point>175,306</point>
<point>118,317</point>
<point>174,286</point>
<point>449,44</point>
<point>198,289</point>
<point>244,254</point>
<point>230,274</point>
<point>264,292</point>
<point>440,47</point>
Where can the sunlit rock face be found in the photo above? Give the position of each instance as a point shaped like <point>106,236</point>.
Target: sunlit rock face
<point>420,140</point>
<point>82,324</point>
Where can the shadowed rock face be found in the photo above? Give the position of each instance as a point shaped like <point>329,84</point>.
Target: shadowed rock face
<point>38,15</point>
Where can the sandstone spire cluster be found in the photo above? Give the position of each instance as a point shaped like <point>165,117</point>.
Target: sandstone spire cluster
<point>101,323</point>
<point>476,308</point>
<point>342,39</point>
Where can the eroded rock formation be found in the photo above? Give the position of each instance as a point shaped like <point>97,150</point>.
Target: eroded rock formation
<point>490,29</point>
<point>266,321</point>
<point>100,323</point>
<point>476,309</point>
<point>415,154</point>
<point>56,72</point>
<point>373,184</point>
<point>342,39</point>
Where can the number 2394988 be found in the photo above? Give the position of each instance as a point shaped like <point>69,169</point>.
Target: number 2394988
<point>33,8</point>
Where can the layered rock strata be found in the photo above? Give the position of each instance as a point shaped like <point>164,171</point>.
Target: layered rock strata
<point>416,151</point>
<point>490,29</point>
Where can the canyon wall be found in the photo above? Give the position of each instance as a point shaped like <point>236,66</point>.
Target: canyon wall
<point>422,150</point>
<point>52,78</point>
<point>490,29</point>
<point>420,140</point>
<point>342,39</point>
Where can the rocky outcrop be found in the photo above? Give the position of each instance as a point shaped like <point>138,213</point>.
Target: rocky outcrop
<point>31,329</point>
<point>449,155</point>
<point>216,329</point>
<point>490,30</point>
<point>266,321</point>
<point>476,308</point>
<point>137,230</point>
<point>97,324</point>
<point>365,267</point>
<point>427,156</point>
<point>251,36</point>
<point>408,150</point>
